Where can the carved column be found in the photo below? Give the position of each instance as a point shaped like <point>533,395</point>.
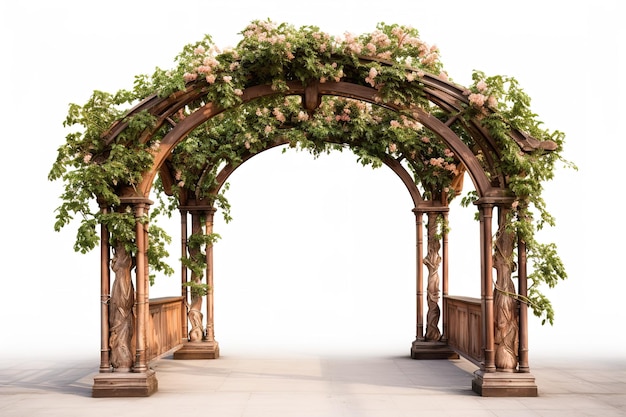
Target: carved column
<point>128,316</point>
<point>444,284</point>
<point>195,308</point>
<point>432,262</point>
<point>141,210</point>
<point>419,337</point>
<point>429,345</point>
<point>201,342</point>
<point>498,376</point>
<point>523,306</point>
<point>105,295</point>
<point>486,217</point>
<point>121,316</point>
<point>505,315</point>
<point>183,274</point>
<point>210,331</point>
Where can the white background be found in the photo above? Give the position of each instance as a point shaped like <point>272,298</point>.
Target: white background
<point>320,255</point>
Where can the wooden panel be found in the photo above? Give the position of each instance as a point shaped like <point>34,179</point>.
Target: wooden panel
<point>464,327</point>
<point>164,331</point>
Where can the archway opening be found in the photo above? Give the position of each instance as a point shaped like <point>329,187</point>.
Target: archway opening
<point>330,265</point>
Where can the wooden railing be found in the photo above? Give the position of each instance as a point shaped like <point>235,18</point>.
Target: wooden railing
<point>464,320</point>
<point>164,327</point>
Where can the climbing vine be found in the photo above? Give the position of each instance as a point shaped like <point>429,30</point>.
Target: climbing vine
<point>96,165</point>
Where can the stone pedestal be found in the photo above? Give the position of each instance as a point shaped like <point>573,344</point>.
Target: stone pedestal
<point>125,384</point>
<point>432,350</point>
<point>198,350</point>
<point>504,384</point>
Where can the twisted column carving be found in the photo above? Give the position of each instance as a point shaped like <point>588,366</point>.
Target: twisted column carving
<point>505,316</point>
<point>195,307</point>
<point>432,262</point>
<point>121,316</point>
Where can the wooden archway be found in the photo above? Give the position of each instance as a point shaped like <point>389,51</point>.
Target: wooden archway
<point>470,328</point>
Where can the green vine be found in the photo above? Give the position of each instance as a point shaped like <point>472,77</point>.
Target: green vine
<point>111,146</point>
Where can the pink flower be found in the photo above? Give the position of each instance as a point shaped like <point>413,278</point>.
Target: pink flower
<point>199,50</point>
<point>238,92</point>
<point>190,77</point>
<point>393,147</point>
<point>481,86</point>
<point>279,115</point>
<point>87,158</point>
<point>492,102</point>
<point>268,129</point>
<point>477,99</point>
<point>227,78</point>
<point>210,78</point>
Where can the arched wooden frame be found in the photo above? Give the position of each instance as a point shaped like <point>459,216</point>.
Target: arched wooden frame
<point>490,186</point>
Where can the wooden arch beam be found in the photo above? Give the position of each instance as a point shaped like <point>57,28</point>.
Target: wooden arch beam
<point>392,163</point>
<point>342,89</point>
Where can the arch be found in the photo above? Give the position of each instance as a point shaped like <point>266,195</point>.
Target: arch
<point>164,109</point>
<point>465,131</point>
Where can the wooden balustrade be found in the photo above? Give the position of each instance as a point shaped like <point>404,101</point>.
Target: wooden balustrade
<point>164,328</point>
<point>464,326</point>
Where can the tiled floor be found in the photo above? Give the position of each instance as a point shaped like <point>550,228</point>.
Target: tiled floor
<point>311,386</point>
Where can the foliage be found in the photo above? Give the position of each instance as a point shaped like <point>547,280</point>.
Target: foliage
<point>114,145</point>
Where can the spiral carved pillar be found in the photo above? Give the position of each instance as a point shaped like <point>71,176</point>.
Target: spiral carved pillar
<point>498,376</point>
<point>432,262</point>
<point>128,315</point>
<point>200,343</point>
<point>429,345</point>
<point>505,303</point>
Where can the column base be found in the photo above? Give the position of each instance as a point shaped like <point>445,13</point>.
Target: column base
<point>432,350</point>
<point>504,384</point>
<point>125,384</point>
<point>198,350</point>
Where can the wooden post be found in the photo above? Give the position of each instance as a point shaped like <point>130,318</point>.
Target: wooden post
<point>105,295</point>
<point>183,274</point>
<point>419,336</point>
<point>523,306</point>
<point>210,331</point>
<point>142,289</point>
<point>486,213</point>
<point>444,279</point>
<point>142,381</point>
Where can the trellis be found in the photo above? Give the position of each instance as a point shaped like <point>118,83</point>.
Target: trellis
<point>492,331</point>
